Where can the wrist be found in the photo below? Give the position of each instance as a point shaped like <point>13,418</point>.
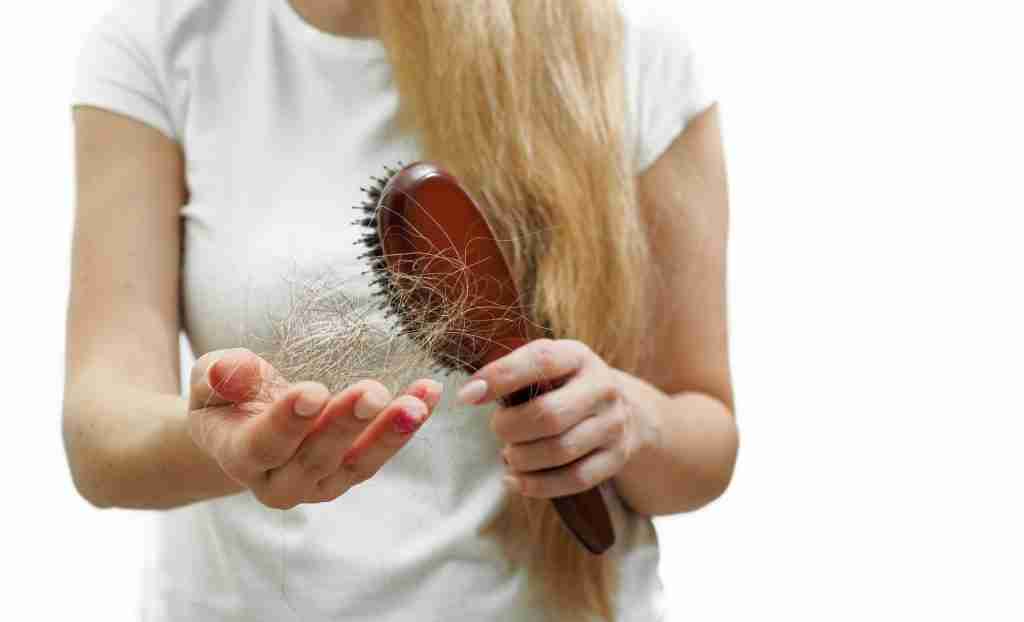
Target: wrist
<point>643,404</point>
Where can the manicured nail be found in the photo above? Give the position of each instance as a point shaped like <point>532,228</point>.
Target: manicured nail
<point>209,376</point>
<point>472,392</point>
<point>513,483</point>
<point>436,389</point>
<point>306,405</point>
<point>367,407</point>
<point>406,422</point>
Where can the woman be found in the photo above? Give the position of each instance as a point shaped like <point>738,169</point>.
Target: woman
<point>219,141</point>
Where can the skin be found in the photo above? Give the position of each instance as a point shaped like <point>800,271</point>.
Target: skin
<point>297,445</point>
<point>666,437</point>
<point>131,441</point>
<point>345,18</point>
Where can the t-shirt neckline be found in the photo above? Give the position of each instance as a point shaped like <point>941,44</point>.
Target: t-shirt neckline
<point>366,47</point>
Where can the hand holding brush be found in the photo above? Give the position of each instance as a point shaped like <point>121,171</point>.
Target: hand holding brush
<point>568,439</point>
<point>442,272</point>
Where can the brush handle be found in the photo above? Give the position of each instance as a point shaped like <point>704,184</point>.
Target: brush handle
<point>584,514</point>
<point>422,211</point>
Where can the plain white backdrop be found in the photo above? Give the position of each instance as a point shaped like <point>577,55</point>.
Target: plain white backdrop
<point>876,302</point>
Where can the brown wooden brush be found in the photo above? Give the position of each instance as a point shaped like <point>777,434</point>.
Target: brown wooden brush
<point>441,271</point>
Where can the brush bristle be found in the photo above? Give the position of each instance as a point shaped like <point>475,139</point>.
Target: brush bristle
<point>393,299</point>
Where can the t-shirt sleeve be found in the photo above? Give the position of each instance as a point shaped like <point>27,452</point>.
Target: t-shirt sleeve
<point>666,84</point>
<point>118,69</point>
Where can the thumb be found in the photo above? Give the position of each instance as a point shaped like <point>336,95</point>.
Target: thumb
<point>229,376</point>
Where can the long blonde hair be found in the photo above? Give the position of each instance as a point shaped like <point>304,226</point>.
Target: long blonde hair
<point>524,101</point>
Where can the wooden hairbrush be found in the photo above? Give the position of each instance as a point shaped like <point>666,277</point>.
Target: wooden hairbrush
<point>440,270</point>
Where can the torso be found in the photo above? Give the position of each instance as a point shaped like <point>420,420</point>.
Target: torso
<point>281,125</point>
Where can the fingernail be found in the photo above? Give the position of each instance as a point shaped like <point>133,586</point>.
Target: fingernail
<point>433,397</point>
<point>209,375</point>
<point>367,407</point>
<point>306,405</point>
<point>512,483</point>
<point>407,421</point>
<point>472,392</point>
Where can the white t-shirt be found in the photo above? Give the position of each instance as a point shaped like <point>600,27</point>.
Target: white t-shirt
<point>281,124</point>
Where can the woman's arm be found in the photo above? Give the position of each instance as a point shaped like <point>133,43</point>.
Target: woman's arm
<point>666,437</point>
<point>684,402</point>
<point>124,423</point>
<point>131,441</point>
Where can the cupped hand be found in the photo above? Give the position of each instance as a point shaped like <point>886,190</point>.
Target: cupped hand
<point>568,439</point>
<point>293,443</point>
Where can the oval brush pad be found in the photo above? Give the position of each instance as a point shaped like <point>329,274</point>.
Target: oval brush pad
<point>440,270</point>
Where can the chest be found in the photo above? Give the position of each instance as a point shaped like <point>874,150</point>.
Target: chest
<point>277,145</point>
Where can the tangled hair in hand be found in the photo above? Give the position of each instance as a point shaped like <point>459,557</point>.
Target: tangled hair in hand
<point>337,338</point>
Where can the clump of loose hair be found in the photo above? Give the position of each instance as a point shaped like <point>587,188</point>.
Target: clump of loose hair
<point>333,332</point>
<point>429,317</point>
<point>334,337</point>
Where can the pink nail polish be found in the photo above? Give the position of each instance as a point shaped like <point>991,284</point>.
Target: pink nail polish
<point>406,422</point>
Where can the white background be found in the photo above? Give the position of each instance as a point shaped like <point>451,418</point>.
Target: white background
<point>874,150</point>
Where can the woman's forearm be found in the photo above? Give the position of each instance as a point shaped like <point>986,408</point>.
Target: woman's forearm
<point>131,448</point>
<point>686,454</point>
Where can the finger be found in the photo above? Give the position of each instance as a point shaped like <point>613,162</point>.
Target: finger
<point>202,393</point>
<point>549,414</point>
<point>229,376</point>
<point>534,363</point>
<point>378,444</point>
<point>427,390</point>
<point>574,478</point>
<point>386,435</point>
<point>391,428</point>
<point>578,441</point>
<point>270,438</point>
<point>320,452</point>
<point>373,397</point>
<point>213,418</point>
<point>422,393</point>
<point>361,463</point>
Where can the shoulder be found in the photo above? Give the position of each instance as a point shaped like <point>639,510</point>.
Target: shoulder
<point>164,21</point>
<point>138,56</point>
<point>653,31</point>
<point>666,87</point>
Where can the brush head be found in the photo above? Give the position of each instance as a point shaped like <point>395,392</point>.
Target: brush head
<point>439,268</point>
